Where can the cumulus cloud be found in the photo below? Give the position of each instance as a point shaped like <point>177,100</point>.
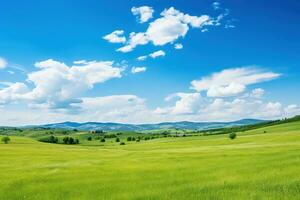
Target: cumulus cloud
<point>292,110</point>
<point>230,82</point>
<point>58,86</point>
<point>156,54</point>
<point>12,92</point>
<point>242,108</point>
<point>178,46</point>
<point>135,70</point>
<point>135,39</point>
<point>114,108</point>
<point>144,12</point>
<point>257,93</point>
<point>3,63</point>
<point>186,103</point>
<point>171,26</point>
<point>115,37</point>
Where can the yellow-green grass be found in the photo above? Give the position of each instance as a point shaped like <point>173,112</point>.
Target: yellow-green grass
<point>256,165</point>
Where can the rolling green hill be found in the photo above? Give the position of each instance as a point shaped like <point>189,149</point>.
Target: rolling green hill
<point>261,163</point>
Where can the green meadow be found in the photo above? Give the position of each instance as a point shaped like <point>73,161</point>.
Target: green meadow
<point>263,163</point>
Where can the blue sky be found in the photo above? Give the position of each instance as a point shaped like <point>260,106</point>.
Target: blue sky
<point>239,59</point>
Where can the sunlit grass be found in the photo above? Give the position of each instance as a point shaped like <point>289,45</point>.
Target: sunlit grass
<point>258,164</point>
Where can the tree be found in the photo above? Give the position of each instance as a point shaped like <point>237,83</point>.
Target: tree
<point>5,139</point>
<point>232,135</point>
<point>66,140</point>
<point>129,138</point>
<point>53,139</point>
<point>71,140</point>
<point>89,138</point>
<point>76,141</point>
<point>117,139</point>
<point>102,140</point>
<point>122,143</point>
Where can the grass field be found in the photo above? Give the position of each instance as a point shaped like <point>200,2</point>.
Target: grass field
<point>259,164</point>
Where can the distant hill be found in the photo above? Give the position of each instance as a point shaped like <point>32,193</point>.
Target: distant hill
<point>145,127</point>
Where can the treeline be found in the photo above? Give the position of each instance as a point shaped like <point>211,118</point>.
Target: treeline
<point>65,140</point>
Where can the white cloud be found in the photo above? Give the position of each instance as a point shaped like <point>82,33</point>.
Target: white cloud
<point>188,103</point>
<point>171,26</point>
<point>115,37</point>
<point>135,70</point>
<point>292,110</point>
<point>270,110</point>
<point>58,86</point>
<point>142,58</point>
<point>144,12</point>
<point>153,55</point>
<point>115,108</point>
<point>135,39</point>
<point>230,82</point>
<point>156,54</point>
<point>166,30</point>
<point>257,93</point>
<point>3,63</point>
<point>12,92</point>
<point>178,46</point>
<point>224,91</point>
<point>241,108</point>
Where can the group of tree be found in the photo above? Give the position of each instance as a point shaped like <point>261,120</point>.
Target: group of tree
<point>130,138</point>
<point>70,140</point>
<point>110,135</point>
<point>97,131</point>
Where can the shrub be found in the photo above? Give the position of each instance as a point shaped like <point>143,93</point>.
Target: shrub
<point>102,140</point>
<point>137,140</point>
<point>232,135</point>
<point>5,139</point>
<point>89,138</point>
<point>122,143</point>
<point>117,139</point>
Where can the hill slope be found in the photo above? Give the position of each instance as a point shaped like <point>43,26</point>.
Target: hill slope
<point>259,164</point>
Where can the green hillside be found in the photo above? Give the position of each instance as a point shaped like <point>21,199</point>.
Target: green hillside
<point>262,163</point>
